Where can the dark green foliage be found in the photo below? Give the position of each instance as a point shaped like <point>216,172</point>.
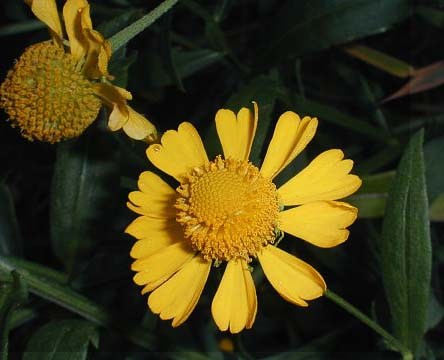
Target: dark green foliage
<point>62,207</point>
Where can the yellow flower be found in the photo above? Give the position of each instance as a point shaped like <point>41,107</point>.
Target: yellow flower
<point>56,88</point>
<point>229,210</point>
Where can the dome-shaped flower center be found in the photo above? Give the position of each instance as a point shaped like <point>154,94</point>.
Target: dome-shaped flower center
<point>47,95</point>
<point>228,209</point>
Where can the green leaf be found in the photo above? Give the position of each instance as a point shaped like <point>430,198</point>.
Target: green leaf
<point>83,174</point>
<point>62,340</point>
<point>12,294</point>
<point>372,195</point>
<point>67,298</point>
<point>327,113</point>
<point>125,35</point>
<point>10,237</point>
<point>382,61</point>
<point>406,248</point>
<point>303,27</point>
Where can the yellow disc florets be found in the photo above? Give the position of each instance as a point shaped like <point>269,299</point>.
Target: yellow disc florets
<point>228,209</point>
<point>47,95</point>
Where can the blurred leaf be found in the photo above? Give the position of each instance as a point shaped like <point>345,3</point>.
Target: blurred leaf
<point>264,90</point>
<point>167,51</point>
<point>435,312</point>
<point>10,237</point>
<point>437,209</point>
<point>326,113</point>
<point>81,184</point>
<point>21,27</point>
<point>213,33</point>
<point>382,61</point>
<point>187,63</point>
<point>423,79</point>
<point>125,35</point>
<point>12,294</point>
<point>433,151</point>
<point>65,297</point>
<point>302,27</point>
<point>406,248</point>
<point>372,195</point>
<point>62,340</point>
<point>431,15</point>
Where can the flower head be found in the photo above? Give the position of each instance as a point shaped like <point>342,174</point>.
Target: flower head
<point>56,88</point>
<point>229,211</point>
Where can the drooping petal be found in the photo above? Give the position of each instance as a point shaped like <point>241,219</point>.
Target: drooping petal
<point>322,223</point>
<point>138,127</point>
<point>290,137</point>
<point>46,11</point>
<point>98,48</point>
<point>179,152</point>
<point>73,26</point>
<point>292,278</point>
<point>177,298</point>
<point>156,198</point>
<point>325,178</point>
<point>235,304</point>
<point>160,265</point>
<point>237,134</point>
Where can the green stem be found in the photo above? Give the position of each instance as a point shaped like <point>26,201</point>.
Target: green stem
<point>126,34</point>
<point>392,341</point>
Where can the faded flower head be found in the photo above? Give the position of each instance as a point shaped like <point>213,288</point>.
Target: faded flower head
<point>57,87</point>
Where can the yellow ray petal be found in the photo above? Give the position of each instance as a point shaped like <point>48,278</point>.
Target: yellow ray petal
<point>235,304</point>
<point>73,26</point>
<point>290,137</point>
<point>325,178</point>
<point>322,223</point>
<point>177,298</point>
<point>292,278</point>
<point>151,227</point>
<point>156,198</point>
<point>46,11</point>
<point>236,134</point>
<point>138,127</point>
<point>160,265</point>
<point>156,238</point>
<point>181,151</point>
<point>98,49</point>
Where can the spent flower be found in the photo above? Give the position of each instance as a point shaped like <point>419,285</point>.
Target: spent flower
<point>57,87</point>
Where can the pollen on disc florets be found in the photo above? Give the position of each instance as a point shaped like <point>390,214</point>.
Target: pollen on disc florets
<point>47,95</point>
<point>228,209</point>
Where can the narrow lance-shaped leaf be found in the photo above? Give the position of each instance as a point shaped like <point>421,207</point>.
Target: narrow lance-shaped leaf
<point>423,79</point>
<point>385,62</point>
<point>82,183</point>
<point>406,248</point>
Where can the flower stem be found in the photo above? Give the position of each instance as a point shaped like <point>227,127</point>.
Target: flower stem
<point>391,341</point>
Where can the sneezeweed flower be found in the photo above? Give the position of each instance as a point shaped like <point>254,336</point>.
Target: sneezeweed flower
<point>57,87</point>
<point>230,211</point>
